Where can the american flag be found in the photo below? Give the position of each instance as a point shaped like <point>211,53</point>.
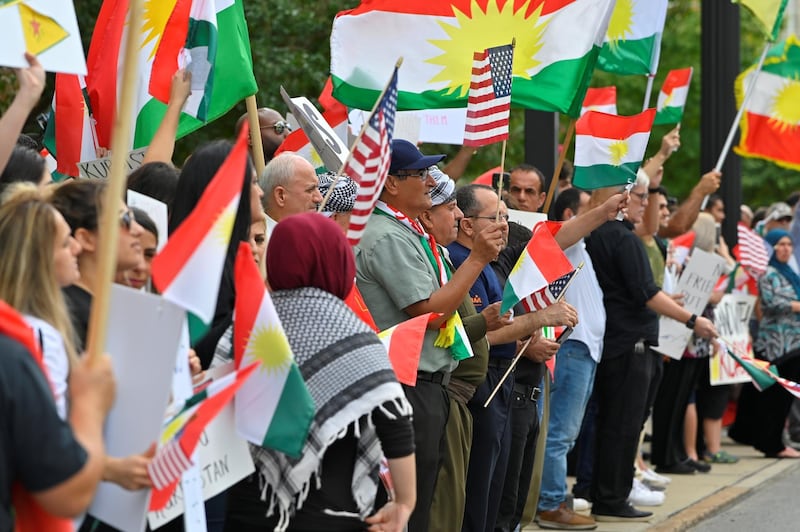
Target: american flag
<point>369,163</point>
<point>751,250</point>
<point>547,295</point>
<point>489,103</point>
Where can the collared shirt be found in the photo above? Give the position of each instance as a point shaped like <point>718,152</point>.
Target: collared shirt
<point>585,295</point>
<point>485,291</point>
<point>626,279</point>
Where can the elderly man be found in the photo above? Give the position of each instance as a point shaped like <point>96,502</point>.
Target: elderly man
<point>401,274</point>
<point>290,184</point>
<point>274,130</point>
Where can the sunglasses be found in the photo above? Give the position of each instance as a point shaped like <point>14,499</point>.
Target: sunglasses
<point>279,127</point>
<point>127,219</point>
<point>422,174</point>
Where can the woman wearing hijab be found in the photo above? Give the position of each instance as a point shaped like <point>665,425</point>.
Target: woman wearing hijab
<point>761,416</point>
<point>361,414</point>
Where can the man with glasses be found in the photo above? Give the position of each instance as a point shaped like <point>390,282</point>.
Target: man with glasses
<point>401,274</point>
<point>274,130</point>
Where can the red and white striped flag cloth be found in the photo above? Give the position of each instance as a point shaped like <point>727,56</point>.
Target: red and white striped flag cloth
<point>170,464</point>
<point>369,164</point>
<point>489,103</point>
<point>752,252</point>
<point>548,295</point>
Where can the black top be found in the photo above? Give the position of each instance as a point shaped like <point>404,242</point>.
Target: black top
<point>626,279</point>
<point>37,448</point>
<point>79,303</point>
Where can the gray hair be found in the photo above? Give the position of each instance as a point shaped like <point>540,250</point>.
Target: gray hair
<point>642,179</point>
<point>278,172</point>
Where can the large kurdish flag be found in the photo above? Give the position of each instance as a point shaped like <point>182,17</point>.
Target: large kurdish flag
<point>770,121</point>
<point>633,42</point>
<point>232,63</point>
<point>609,149</point>
<point>273,409</point>
<point>557,43</point>
<point>672,97</point>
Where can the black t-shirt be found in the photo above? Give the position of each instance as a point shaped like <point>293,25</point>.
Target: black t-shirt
<point>79,303</point>
<point>37,448</point>
<point>624,274</point>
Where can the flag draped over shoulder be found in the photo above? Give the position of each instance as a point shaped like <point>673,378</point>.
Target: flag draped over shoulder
<point>70,135</point>
<point>603,99</point>
<point>770,121</point>
<point>489,103</point>
<point>165,24</point>
<point>557,43</point>
<point>609,149</point>
<point>633,41</point>
<point>188,269</point>
<point>540,264</point>
<point>274,409</point>
<point>672,97</point>
<point>768,13</point>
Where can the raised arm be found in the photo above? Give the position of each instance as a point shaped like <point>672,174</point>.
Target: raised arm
<point>163,144</point>
<point>31,84</point>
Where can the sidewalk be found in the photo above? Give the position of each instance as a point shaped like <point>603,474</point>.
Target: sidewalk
<point>691,498</point>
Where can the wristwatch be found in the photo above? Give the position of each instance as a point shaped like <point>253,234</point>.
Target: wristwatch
<point>691,322</point>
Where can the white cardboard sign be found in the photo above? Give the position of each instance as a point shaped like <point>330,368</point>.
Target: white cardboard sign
<point>732,318</point>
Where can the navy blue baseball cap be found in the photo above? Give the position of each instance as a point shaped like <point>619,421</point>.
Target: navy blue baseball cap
<point>406,156</point>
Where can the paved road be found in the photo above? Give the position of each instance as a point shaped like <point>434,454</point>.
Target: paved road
<point>773,506</point>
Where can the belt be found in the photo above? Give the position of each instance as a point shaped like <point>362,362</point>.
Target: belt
<point>438,377</point>
<point>500,363</point>
<point>529,392</point>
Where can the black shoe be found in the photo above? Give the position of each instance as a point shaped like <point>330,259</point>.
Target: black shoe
<point>681,468</point>
<point>625,513</point>
<point>701,467</point>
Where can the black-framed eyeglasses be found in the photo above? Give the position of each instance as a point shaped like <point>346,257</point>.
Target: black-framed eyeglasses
<point>641,195</point>
<point>127,219</point>
<point>422,174</point>
<point>492,218</point>
<point>279,127</point>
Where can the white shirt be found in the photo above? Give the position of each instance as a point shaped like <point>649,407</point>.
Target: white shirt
<point>585,295</point>
<point>55,360</point>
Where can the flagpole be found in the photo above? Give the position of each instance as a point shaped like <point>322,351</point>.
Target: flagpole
<point>500,180</point>
<point>525,345</point>
<point>108,228</point>
<point>648,91</point>
<point>561,157</point>
<point>364,126</point>
<point>735,126</point>
<point>255,134</point>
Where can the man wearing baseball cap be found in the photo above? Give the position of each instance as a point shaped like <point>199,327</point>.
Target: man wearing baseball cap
<point>401,274</point>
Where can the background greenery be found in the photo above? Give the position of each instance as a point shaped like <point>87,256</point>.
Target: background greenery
<point>290,47</point>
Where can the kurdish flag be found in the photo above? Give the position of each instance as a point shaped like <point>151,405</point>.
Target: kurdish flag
<point>165,25</point>
<point>609,149</point>
<point>403,342</point>
<point>603,99</point>
<point>541,263</point>
<point>672,98</point>
<point>633,42</point>
<point>768,13</point>
<point>756,369</point>
<point>557,43</point>
<point>188,269</point>
<point>70,136</point>
<point>274,409</point>
<point>769,123</point>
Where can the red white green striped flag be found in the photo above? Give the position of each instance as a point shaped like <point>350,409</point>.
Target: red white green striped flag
<point>557,43</point>
<point>672,98</point>
<point>404,345</point>
<point>274,409</point>
<point>541,263</point>
<point>633,42</point>
<point>603,99</point>
<point>189,268</point>
<point>609,149</point>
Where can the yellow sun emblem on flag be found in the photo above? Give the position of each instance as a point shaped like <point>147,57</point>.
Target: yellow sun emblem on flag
<point>477,30</point>
<point>621,23</point>
<point>785,108</point>
<point>618,151</point>
<point>223,227</point>
<point>668,99</point>
<point>268,345</point>
<point>156,16</point>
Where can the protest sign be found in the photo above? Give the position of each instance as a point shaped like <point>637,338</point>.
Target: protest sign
<point>323,138</point>
<point>100,168</point>
<point>157,210</point>
<point>696,284</point>
<point>143,334</point>
<point>732,318</point>
<point>443,126</point>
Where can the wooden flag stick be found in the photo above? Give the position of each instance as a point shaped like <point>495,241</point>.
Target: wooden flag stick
<point>108,227</point>
<point>559,165</point>
<point>364,126</point>
<point>648,91</point>
<point>255,134</point>
<point>500,181</point>
<point>525,345</point>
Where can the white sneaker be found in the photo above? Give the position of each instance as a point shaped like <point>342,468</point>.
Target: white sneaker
<point>641,495</point>
<point>580,505</point>
<point>654,481</point>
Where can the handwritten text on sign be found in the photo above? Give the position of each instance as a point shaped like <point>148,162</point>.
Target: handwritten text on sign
<point>732,318</point>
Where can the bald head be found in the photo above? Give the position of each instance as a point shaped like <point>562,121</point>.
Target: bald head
<point>269,121</point>
<point>290,186</point>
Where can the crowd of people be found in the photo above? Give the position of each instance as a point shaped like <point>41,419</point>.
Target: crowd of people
<point>459,445</point>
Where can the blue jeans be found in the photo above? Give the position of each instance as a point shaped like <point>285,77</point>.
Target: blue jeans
<point>569,393</point>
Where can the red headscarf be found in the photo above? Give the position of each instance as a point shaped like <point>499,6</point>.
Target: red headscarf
<point>310,249</point>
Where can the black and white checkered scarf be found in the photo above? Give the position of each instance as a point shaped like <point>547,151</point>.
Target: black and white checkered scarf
<point>348,374</point>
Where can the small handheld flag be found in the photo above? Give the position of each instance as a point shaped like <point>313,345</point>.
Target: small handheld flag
<point>489,103</point>
<point>672,98</point>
